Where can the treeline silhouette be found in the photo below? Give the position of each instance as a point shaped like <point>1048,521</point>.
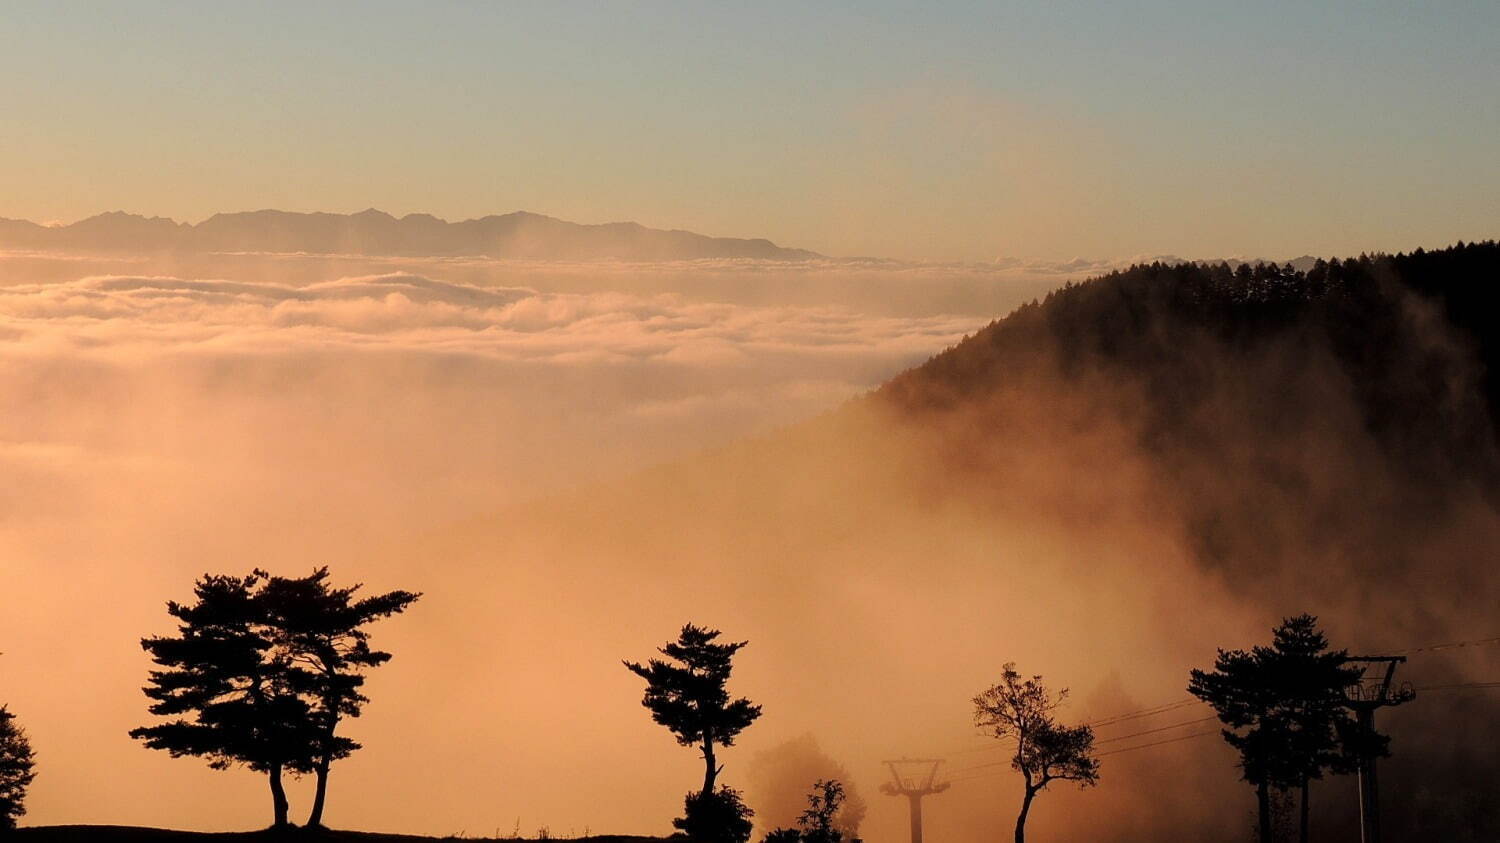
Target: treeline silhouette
<point>264,667</point>
<point>1145,323</point>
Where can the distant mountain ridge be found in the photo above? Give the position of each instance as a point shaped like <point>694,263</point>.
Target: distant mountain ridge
<point>372,232</point>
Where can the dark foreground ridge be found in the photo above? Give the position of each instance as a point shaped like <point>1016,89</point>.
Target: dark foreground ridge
<point>133,834</point>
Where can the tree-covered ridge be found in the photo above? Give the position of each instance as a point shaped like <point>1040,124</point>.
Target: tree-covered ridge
<point>1198,359</point>
<point>1147,316</point>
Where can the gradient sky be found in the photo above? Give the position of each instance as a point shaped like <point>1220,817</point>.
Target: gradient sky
<point>937,130</point>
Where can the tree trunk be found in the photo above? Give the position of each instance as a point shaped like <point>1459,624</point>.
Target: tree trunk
<point>278,796</point>
<point>1263,800</point>
<point>320,794</point>
<point>1303,834</point>
<point>1021,818</point>
<point>710,771</point>
<point>325,760</point>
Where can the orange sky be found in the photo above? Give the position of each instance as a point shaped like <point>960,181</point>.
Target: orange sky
<point>957,131</point>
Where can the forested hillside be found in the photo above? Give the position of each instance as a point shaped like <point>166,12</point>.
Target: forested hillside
<point>1301,386</point>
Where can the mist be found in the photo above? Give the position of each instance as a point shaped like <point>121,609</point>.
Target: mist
<point>569,475</point>
<point>164,426</point>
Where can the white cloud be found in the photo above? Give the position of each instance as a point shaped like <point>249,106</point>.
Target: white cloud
<point>444,386</point>
<point>145,315</point>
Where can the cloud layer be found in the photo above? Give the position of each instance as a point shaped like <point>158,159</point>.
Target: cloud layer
<point>640,377</point>
<point>149,313</point>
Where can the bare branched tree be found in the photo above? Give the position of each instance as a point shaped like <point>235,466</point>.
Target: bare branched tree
<point>1046,751</point>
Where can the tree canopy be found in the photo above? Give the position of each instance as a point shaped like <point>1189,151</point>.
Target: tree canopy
<point>1046,751</point>
<point>229,688</point>
<point>320,630</point>
<point>688,694</point>
<point>1284,706</point>
<point>260,672</point>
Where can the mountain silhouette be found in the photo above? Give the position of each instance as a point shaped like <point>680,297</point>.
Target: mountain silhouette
<point>372,232</point>
<point>1410,340</point>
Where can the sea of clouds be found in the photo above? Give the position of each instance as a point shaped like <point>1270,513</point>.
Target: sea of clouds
<point>141,366</point>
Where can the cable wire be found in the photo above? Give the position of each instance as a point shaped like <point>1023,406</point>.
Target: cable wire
<point>1120,751</point>
<point>1156,743</point>
<point>1458,686</point>
<point>1145,712</point>
<point>1160,729</point>
<point>1477,642</point>
<point>961,770</point>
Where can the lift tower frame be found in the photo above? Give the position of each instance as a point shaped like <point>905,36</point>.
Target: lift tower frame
<point>914,788</point>
<point>1363,699</point>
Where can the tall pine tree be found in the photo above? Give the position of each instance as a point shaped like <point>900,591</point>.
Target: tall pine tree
<point>689,697</point>
<point>687,693</point>
<point>261,672</point>
<point>1284,706</point>
<point>17,769</point>
<point>229,689</point>
<point>320,630</point>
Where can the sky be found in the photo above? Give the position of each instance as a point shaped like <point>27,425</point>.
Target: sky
<point>938,131</point>
<point>570,459</point>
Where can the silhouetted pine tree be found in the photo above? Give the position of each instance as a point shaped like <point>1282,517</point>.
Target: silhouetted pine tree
<point>320,632</point>
<point>261,672</point>
<point>1284,705</point>
<point>221,669</point>
<point>689,697</point>
<point>687,694</point>
<point>17,769</point>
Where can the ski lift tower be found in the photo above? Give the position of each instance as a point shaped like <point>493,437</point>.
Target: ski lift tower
<point>914,778</point>
<point>1370,693</point>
